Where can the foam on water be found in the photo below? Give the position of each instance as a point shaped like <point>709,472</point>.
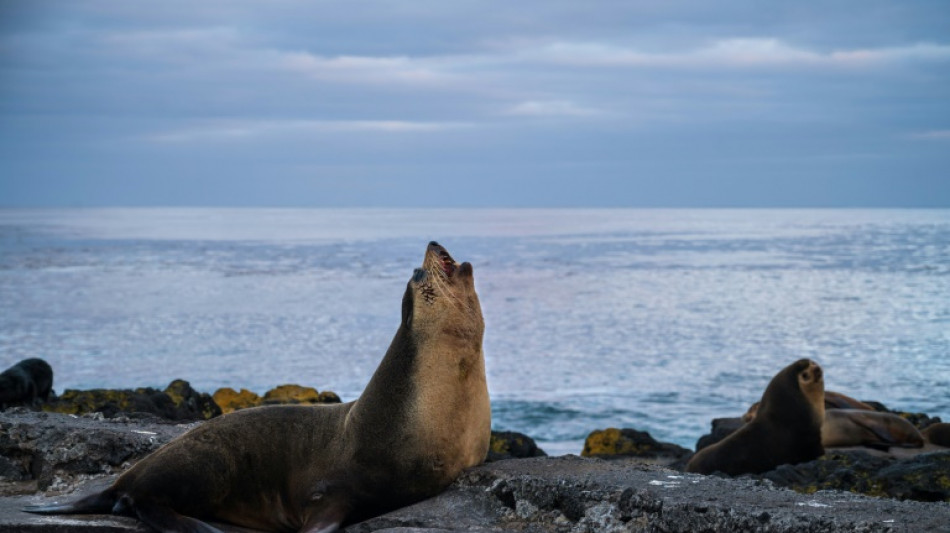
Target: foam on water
<point>655,319</point>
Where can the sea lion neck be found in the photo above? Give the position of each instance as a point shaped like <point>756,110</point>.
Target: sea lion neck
<point>784,402</point>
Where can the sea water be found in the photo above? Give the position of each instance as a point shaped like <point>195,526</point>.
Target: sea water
<point>659,320</point>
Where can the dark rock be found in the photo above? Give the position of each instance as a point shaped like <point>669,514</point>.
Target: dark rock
<point>54,452</point>
<point>188,402</point>
<point>925,477</point>
<point>26,383</point>
<point>177,402</point>
<point>721,428</point>
<point>512,445</point>
<point>564,494</point>
<point>535,495</point>
<point>613,442</point>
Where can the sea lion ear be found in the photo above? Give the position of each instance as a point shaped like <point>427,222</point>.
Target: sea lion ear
<point>465,270</point>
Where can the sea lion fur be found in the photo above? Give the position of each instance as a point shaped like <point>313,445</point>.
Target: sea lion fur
<point>860,427</point>
<point>422,419</point>
<point>786,428</point>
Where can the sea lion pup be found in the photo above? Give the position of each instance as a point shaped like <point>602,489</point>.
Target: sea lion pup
<point>786,429</point>
<point>860,427</point>
<point>26,383</point>
<point>423,418</point>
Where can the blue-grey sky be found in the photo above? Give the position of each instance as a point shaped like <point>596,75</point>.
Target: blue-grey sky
<point>462,103</point>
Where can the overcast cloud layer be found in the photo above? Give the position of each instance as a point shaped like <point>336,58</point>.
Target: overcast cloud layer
<point>424,103</point>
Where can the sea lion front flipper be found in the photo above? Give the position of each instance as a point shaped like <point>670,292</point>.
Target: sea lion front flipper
<point>891,430</point>
<point>163,518</point>
<point>326,515</point>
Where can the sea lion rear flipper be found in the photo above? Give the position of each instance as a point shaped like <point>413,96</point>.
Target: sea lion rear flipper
<point>163,518</point>
<point>101,502</point>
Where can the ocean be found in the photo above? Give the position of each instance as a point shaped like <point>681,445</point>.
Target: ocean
<point>654,319</point>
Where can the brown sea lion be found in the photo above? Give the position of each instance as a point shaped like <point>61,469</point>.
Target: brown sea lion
<point>786,429</point>
<point>833,400</point>
<point>938,434</point>
<point>26,383</point>
<point>860,427</point>
<point>423,418</point>
<point>836,400</point>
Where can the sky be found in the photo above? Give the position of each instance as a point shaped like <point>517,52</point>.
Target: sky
<point>419,103</point>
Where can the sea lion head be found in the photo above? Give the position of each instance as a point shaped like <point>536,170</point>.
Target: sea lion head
<point>440,298</point>
<point>795,395</point>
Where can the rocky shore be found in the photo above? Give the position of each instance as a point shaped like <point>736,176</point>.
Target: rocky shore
<point>627,480</point>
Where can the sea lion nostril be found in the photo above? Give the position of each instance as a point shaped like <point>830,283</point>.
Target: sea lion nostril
<point>433,243</point>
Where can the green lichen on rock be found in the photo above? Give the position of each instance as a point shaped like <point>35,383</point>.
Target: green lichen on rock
<point>512,445</point>
<point>925,477</point>
<point>177,402</point>
<point>230,400</point>
<point>614,442</point>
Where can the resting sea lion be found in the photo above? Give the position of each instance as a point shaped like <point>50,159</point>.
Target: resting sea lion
<point>423,418</point>
<point>859,427</point>
<point>26,382</point>
<point>833,400</point>
<point>836,400</point>
<point>938,434</point>
<point>786,429</point>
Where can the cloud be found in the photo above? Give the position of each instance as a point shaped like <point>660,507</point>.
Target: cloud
<point>364,69</point>
<point>551,108</point>
<point>932,135</point>
<point>737,52</point>
<point>257,129</point>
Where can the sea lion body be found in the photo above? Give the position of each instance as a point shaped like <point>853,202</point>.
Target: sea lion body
<point>26,383</point>
<point>860,427</point>
<point>833,400</point>
<point>423,418</point>
<point>786,427</point>
<point>938,434</point>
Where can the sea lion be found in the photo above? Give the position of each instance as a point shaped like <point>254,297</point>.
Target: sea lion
<point>938,434</point>
<point>860,427</point>
<point>836,400</point>
<point>422,419</point>
<point>833,400</point>
<point>786,429</point>
<point>26,382</point>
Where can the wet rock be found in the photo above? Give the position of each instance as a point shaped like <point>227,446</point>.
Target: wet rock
<point>177,402</point>
<point>542,494</point>
<point>721,428</point>
<point>187,401</point>
<point>512,445</point>
<point>613,442</point>
<point>572,494</point>
<point>925,477</point>
<point>55,452</point>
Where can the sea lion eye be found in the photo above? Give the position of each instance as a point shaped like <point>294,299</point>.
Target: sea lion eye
<point>806,376</point>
